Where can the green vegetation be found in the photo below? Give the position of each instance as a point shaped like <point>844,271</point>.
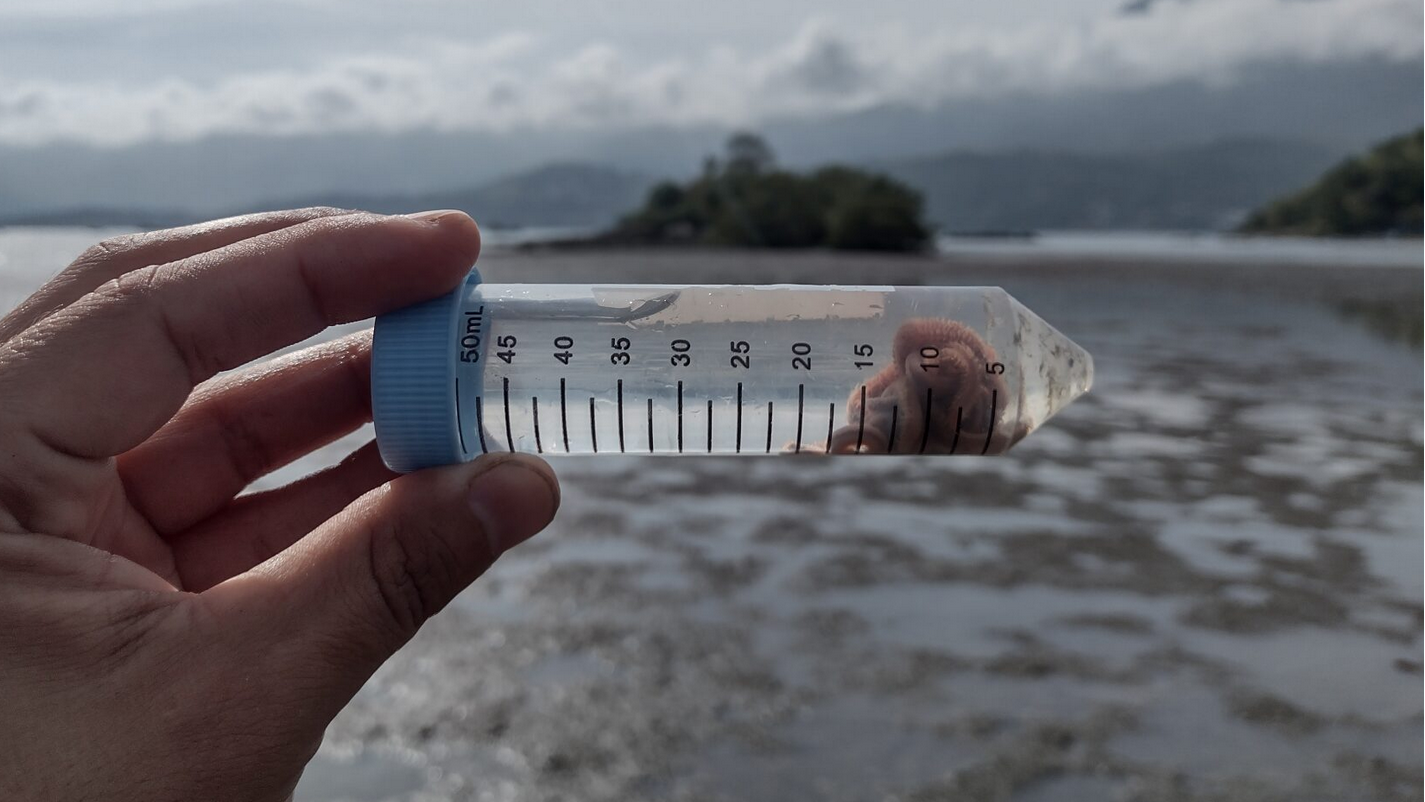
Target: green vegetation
<point>746,201</point>
<point>1376,193</point>
<point>1399,320</point>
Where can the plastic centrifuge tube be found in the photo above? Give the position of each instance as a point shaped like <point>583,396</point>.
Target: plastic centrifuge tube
<point>717,369</point>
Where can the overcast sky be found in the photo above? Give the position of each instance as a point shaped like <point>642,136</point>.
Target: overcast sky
<point>182,69</point>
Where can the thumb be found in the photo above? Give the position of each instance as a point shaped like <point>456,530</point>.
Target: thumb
<point>339,602</point>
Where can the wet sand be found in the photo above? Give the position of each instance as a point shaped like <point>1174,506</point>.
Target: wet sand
<point>1200,582</point>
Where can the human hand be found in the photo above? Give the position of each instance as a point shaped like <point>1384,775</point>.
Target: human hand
<point>160,637</point>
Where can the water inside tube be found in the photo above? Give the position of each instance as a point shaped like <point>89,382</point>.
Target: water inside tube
<point>757,369</point>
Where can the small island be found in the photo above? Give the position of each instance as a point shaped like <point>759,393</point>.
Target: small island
<point>744,200</point>
<point>1376,193</point>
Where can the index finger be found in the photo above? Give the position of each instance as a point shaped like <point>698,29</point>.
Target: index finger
<point>116,256</point>
<point>97,378</point>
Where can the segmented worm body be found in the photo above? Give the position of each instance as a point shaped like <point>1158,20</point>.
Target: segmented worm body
<point>936,361</point>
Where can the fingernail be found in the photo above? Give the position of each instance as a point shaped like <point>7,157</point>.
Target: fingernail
<point>514,500</point>
<point>435,215</point>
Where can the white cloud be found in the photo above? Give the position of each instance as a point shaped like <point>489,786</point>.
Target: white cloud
<point>61,9</point>
<point>514,80</point>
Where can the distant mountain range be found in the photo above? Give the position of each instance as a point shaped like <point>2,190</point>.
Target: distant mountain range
<point>565,194</point>
<point>1206,187</point>
<point>1201,187</point>
<point>1343,106</point>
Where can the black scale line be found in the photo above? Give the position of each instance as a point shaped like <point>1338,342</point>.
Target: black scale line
<point>593,426</point>
<point>959,417</point>
<point>509,433</point>
<point>480,422</point>
<point>925,429</point>
<point>739,417</point>
<point>895,416</point>
<point>538,443</point>
<point>769,427</point>
<point>650,426</point>
<point>994,400</point>
<point>563,416</point>
<point>801,409</point>
<point>680,416</point>
<point>861,427</point>
<point>710,428</point>
<point>459,420</point>
<point>620,416</point>
<point>830,425</point>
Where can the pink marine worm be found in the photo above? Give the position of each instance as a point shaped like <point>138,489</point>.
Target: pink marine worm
<point>942,363</point>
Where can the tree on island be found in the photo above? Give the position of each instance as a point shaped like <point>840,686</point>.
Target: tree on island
<point>1378,192</point>
<point>745,200</point>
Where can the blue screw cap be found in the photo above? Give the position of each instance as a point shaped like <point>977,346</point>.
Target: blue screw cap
<point>413,397</point>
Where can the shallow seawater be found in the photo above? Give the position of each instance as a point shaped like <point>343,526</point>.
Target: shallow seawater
<point>1199,582</point>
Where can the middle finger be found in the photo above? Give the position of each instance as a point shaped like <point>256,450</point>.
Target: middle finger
<point>245,425</point>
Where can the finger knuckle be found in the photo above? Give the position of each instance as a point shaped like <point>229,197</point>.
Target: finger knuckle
<point>325,225</point>
<point>327,211</point>
<point>346,220</point>
<point>412,570</point>
<point>143,290</point>
<point>132,286</point>
<point>107,248</point>
<point>249,453</point>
